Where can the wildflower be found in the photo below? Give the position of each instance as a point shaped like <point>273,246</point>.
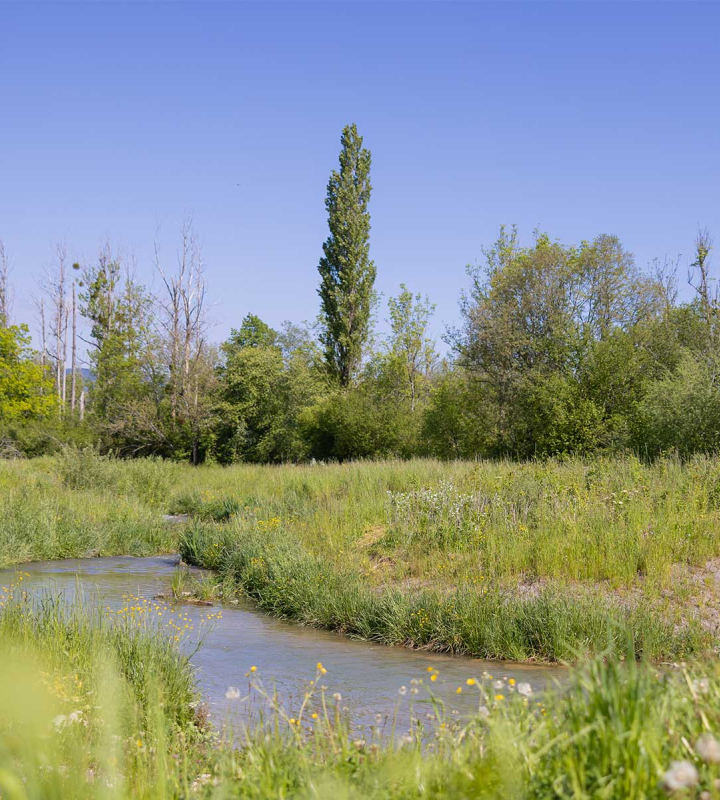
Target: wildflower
<point>337,697</point>
<point>498,685</point>
<point>293,720</point>
<point>402,690</point>
<point>681,775</point>
<point>431,669</point>
<point>471,681</point>
<point>320,666</point>
<point>253,669</point>
<point>314,715</point>
<point>139,743</point>
<point>458,690</point>
<point>499,696</point>
<point>708,748</point>
<point>433,677</point>
<point>60,721</point>
<point>414,690</point>
<point>233,693</point>
<point>512,681</point>
<point>203,780</point>
<point>524,689</point>
<point>483,711</point>
<point>701,685</point>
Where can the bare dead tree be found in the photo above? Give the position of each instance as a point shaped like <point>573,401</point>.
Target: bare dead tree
<point>183,321</point>
<point>5,290</point>
<point>43,338</point>
<point>700,277</point>
<point>54,286</point>
<point>73,384</point>
<point>64,352</point>
<point>665,276</point>
<point>183,313</point>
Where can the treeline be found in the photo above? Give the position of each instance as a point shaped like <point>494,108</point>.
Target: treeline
<point>561,349</point>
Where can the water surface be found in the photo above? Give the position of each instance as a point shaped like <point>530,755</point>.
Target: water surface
<point>368,676</point>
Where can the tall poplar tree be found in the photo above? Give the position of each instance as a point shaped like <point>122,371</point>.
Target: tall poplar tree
<point>346,271</point>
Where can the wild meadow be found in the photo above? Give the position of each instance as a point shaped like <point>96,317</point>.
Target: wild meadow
<point>539,560</point>
<point>97,705</point>
<point>605,563</point>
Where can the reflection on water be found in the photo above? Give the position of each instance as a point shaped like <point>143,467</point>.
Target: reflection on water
<point>368,676</point>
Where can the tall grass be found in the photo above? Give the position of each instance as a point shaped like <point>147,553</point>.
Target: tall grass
<point>92,706</point>
<point>287,581</point>
<point>531,560</point>
<point>43,517</point>
<point>96,707</point>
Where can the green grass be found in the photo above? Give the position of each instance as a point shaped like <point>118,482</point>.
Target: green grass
<point>47,513</point>
<point>554,560</point>
<point>519,561</point>
<point>93,705</point>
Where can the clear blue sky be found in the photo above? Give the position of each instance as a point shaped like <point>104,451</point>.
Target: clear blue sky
<point>577,117</point>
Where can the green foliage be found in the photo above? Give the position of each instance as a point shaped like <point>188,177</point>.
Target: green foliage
<point>25,392</point>
<point>347,275</point>
<point>410,345</point>
<point>459,421</point>
<point>553,417</point>
<point>204,505</point>
<point>147,479</point>
<point>253,332</point>
<point>48,435</point>
<point>681,412</point>
<point>122,359</point>
<point>267,380</point>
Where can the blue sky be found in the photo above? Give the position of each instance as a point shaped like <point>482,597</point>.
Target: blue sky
<point>577,117</point>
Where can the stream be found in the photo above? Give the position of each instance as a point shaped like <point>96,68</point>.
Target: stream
<point>368,676</point>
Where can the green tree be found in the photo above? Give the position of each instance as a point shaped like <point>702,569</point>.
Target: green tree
<point>124,366</point>
<point>535,321</point>
<point>267,379</point>
<point>458,421</point>
<point>253,332</point>
<point>410,343</point>
<point>347,275</point>
<point>26,393</point>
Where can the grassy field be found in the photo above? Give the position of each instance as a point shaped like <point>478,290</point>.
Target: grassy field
<point>601,562</point>
<point>93,706</point>
<point>520,561</point>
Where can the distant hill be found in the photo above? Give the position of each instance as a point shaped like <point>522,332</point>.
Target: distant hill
<point>87,376</point>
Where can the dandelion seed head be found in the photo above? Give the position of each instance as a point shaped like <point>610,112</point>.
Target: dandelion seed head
<point>681,775</point>
<point>708,748</point>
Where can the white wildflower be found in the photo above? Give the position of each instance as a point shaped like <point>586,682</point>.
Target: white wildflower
<point>681,775</point>
<point>524,689</point>
<point>233,693</point>
<point>708,748</point>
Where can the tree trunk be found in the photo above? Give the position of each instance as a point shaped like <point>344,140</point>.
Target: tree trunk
<point>73,388</point>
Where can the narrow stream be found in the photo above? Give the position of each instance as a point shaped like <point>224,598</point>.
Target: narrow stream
<point>369,677</point>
